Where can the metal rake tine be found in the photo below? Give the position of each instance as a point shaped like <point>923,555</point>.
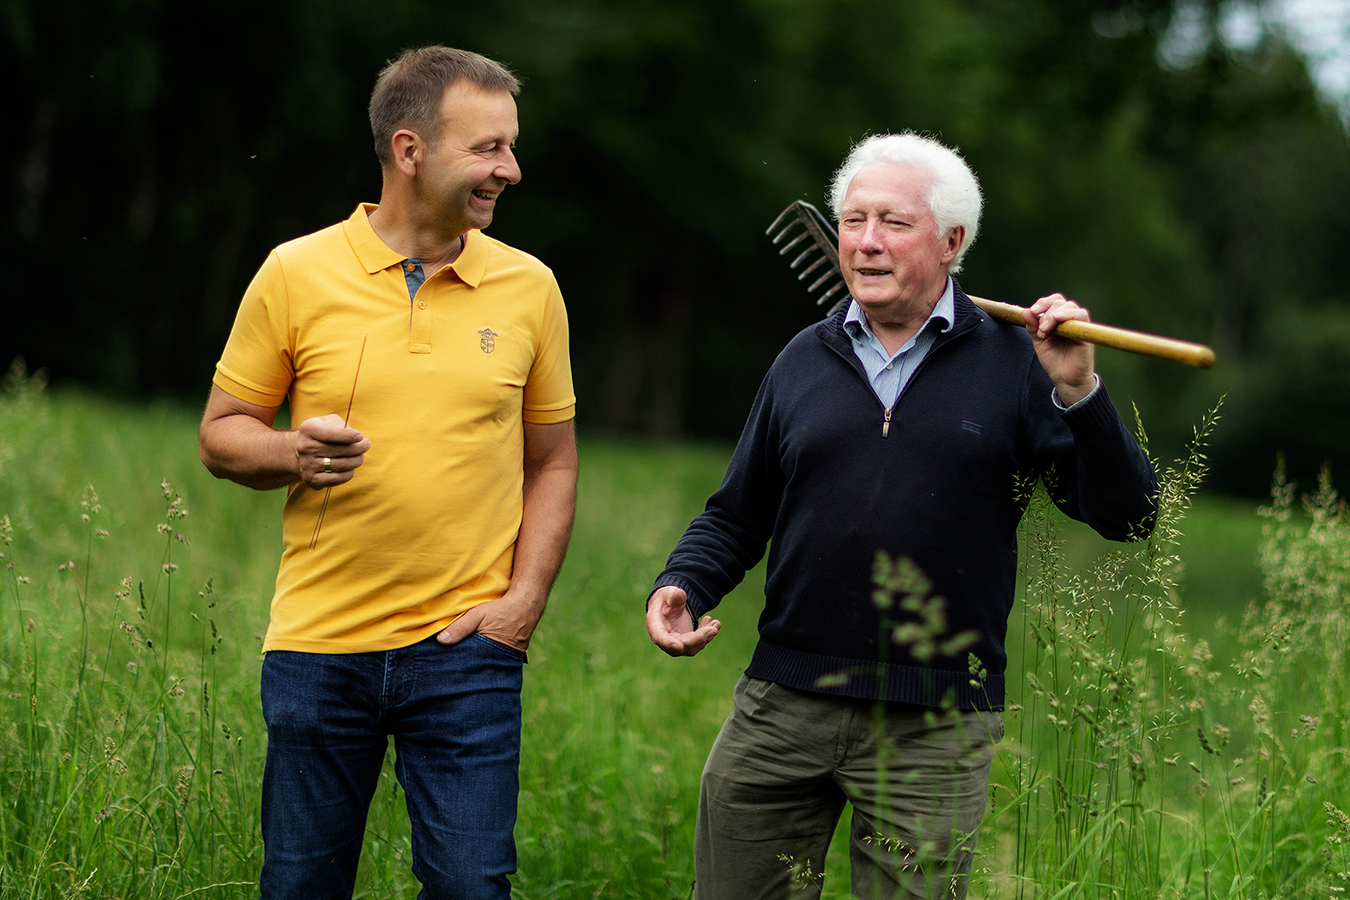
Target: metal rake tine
<point>808,212</point>
<point>825,296</point>
<point>815,265</point>
<point>824,278</point>
<point>782,251</point>
<point>786,230</point>
<point>789,213</point>
<point>824,240</point>
<point>804,254</point>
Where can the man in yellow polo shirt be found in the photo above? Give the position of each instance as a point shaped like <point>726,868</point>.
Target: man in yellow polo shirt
<point>431,483</point>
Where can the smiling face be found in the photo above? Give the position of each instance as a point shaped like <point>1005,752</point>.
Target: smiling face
<point>893,259</point>
<point>462,172</point>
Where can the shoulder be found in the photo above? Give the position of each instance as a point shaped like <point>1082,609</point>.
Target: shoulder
<point>1008,340</point>
<point>502,256</point>
<point>811,342</point>
<point>321,242</point>
<point>810,355</point>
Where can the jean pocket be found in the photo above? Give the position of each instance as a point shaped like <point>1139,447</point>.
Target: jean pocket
<point>512,652</point>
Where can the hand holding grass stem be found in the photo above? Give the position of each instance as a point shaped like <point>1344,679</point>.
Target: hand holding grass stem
<point>323,508</point>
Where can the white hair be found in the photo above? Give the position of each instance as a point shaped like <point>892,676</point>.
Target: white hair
<point>953,194</point>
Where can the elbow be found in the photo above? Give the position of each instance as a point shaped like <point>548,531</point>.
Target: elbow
<point>208,457</point>
<point>205,455</point>
<point>1144,521</point>
<point>1127,523</point>
<point>216,462</point>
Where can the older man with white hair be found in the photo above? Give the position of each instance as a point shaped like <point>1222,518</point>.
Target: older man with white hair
<point>885,464</point>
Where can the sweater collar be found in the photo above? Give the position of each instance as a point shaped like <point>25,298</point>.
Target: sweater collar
<point>940,319</point>
<point>966,315</point>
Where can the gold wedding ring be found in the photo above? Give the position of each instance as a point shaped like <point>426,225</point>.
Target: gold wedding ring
<point>328,464</point>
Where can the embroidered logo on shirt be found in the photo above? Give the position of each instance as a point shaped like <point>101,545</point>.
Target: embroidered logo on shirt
<point>970,426</point>
<point>487,339</point>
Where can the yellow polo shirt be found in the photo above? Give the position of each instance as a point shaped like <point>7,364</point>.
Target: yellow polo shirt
<point>427,527</point>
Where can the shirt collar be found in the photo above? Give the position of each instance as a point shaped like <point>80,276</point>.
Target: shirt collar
<point>376,256</point>
<point>940,319</point>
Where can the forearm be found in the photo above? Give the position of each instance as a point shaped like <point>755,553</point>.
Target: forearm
<point>1115,488</point>
<point>712,557</point>
<point>549,506</point>
<point>246,451</point>
<point>549,502</point>
<point>729,537</point>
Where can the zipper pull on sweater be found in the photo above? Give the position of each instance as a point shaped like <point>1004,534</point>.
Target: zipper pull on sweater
<point>886,424</point>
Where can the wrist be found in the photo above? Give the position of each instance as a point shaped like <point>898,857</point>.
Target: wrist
<point>1067,396</point>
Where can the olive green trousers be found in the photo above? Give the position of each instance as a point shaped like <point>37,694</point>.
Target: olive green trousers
<point>784,765</point>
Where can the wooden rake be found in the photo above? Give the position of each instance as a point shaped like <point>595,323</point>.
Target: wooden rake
<point>801,228</point>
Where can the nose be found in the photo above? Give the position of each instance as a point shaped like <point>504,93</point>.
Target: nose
<point>870,239</point>
<point>508,169</point>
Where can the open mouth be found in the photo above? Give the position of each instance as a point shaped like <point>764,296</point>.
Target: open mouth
<point>873,271</point>
<point>485,195</point>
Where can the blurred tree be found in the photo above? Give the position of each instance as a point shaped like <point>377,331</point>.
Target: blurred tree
<point>1260,167</point>
<point>160,148</point>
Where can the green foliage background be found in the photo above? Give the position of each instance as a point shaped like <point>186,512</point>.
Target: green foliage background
<point>158,149</point>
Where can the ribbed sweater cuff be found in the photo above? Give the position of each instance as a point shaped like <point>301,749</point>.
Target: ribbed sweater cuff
<point>693,597</point>
<point>1096,413</point>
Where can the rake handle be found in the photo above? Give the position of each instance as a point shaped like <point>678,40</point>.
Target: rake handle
<point>1197,355</point>
<point>826,240</point>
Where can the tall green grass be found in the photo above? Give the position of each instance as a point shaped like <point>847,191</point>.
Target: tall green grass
<point>126,762</point>
<point>1139,763</point>
<point>1182,737</point>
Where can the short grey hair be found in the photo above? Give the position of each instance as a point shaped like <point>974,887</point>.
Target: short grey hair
<point>409,90</point>
<point>953,196</point>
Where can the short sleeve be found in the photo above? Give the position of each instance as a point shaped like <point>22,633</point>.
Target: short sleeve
<point>549,395</point>
<point>257,365</point>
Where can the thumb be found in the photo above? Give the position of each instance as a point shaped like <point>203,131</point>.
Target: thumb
<point>462,627</point>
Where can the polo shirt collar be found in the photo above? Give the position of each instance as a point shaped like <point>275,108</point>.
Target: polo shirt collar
<point>471,264</point>
<point>376,256</point>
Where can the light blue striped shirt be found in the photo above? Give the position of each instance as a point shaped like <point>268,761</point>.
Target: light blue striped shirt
<point>889,373</point>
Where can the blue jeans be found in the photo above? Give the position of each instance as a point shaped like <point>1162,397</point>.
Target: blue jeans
<point>454,713</point>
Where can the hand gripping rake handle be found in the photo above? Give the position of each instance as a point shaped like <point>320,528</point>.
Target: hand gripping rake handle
<point>819,255</point>
<point>1197,355</point>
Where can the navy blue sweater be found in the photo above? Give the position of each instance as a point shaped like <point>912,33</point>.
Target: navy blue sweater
<point>815,478</point>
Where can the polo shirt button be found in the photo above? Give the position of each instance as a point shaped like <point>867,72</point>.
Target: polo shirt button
<point>421,304</point>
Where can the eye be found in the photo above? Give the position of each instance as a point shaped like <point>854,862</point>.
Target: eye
<point>494,149</point>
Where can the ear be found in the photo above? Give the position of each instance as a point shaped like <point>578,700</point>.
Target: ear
<point>407,151</point>
<point>956,236</point>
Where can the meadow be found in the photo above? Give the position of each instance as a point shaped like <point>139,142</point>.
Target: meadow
<point>1178,724</point>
